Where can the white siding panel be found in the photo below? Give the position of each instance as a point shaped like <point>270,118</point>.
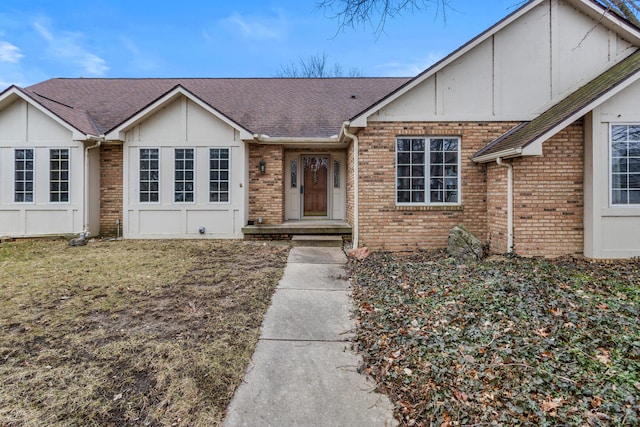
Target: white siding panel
<point>40,222</point>
<point>162,127</point>
<point>416,105</point>
<point>202,127</point>
<point>523,65</point>
<point>620,237</point>
<point>10,222</point>
<point>217,223</point>
<point>13,123</point>
<point>160,222</point>
<point>42,129</point>
<point>465,87</point>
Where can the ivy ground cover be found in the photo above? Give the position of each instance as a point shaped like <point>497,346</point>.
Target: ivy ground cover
<point>504,341</point>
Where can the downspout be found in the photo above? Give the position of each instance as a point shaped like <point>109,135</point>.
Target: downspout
<point>509,167</point>
<point>99,140</point>
<point>356,188</point>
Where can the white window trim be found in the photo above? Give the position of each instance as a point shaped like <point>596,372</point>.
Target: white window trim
<point>70,151</point>
<point>427,166</point>
<point>610,169</point>
<point>195,175</point>
<point>159,176</point>
<point>33,181</point>
<point>228,202</point>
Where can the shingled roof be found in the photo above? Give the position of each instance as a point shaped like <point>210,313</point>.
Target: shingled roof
<point>278,107</point>
<point>568,110</point>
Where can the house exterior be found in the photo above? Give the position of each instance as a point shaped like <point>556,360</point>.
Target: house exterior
<point>529,135</point>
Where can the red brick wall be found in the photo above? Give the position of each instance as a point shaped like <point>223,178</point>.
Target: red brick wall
<point>385,226</point>
<point>350,184</point>
<point>266,191</point>
<point>548,197</point>
<point>111,195</point>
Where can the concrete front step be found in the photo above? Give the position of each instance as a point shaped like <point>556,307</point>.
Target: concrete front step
<point>317,241</point>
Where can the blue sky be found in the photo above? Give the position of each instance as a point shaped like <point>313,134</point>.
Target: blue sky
<point>247,38</point>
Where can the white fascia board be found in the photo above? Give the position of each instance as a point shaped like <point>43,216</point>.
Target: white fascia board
<point>118,133</point>
<point>505,154</point>
<point>361,119</point>
<point>610,20</point>
<point>15,92</point>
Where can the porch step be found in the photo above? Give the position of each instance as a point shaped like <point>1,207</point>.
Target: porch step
<point>317,241</point>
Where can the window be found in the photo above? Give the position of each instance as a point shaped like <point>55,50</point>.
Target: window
<point>184,175</point>
<point>336,174</point>
<point>294,174</point>
<point>23,190</point>
<point>219,175</point>
<point>149,175</point>
<point>428,171</point>
<point>59,175</point>
<point>625,164</point>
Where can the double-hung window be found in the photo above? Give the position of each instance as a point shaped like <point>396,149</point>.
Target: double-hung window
<point>219,169</point>
<point>184,171</point>
<point>58,175</point>
<point>23,179</point>
<point>625,165</point>
<point>428,171</point>
<point>149,175</point>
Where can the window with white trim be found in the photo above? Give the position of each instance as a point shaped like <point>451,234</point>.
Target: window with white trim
<point>219,170</point>
<point>149,175</point>
<point>427,171</point>
<point>184,175</point>
<point>59,175</point>
<point>625,164</point>
<point>23,178</point>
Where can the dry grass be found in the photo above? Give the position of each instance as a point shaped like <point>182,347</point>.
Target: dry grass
<point>129,332</point>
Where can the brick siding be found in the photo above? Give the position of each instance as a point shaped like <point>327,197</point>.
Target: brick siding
<point>385,226</point>
<point>111,194</point>
<point>266,191</point>
<point>549,199</point>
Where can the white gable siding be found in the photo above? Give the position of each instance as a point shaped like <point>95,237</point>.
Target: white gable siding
<point>610,231</point>
<point>25,126</point>
<point>516,73</point>
<point>183,124</point>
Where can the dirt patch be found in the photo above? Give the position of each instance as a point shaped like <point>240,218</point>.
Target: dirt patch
<point>129,332</point>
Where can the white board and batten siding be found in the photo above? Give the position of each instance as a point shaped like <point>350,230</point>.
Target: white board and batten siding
<point>611,231</point>
<point>183,124</point>
<point>23,126</point>
<point>516,73</point>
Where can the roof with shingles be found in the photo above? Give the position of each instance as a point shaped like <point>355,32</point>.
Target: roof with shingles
<point>278,107</point>
<point>528,132</point>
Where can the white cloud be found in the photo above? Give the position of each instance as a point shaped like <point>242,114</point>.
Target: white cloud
<point>9,52</point>
<point>67,46</point>
<point>257,27</point>
<point>410,69</point>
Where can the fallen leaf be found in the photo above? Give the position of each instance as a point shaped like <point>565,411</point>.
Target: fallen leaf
<point>408,371</point>
<point>542,332</point>
<point>551,405</point>
<point>596,401</point>
<point>603,356</point>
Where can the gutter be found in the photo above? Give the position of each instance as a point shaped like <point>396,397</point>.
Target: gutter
<point>356,211</point>
<point>266,139</point>
<point>504,154</point>
<point>98,142</point>
<point>509,167</point>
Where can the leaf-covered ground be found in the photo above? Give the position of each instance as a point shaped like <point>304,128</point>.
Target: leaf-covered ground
<point>505,341</point>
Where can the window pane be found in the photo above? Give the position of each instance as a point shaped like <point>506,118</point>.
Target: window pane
<point>149,175</point>
<point>619,197</point>
<point>437,158</point>
<point>634,197</point>
<point>619,149</point>
<point>634,165</point>
<point>404,171</point>
<point>634,181</point>
<point>336,174</point>
<point>620,181</point>
<point>294,174</point>
<point>219,176</point>
<point>417,197</point>
<point>417,158</point>
<point>404,158</point>
<point>417,145</point>
<point>436,144</point>
<point>23,175</point>
<point>625,164</point>
<point>417,171</point>
<point>450,145</point>
<point>619,164</point>
<point>634,133</point>
<point>184,173</point>
<point>404,145</point>
<point>619,133</point>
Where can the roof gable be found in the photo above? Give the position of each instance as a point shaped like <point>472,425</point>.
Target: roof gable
<point>534,133</point>
<point>78,122</point>
<point>591,11</point>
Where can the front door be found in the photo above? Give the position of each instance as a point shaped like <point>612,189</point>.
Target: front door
<point>315,174</point>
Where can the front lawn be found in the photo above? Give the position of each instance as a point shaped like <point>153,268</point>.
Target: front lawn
<point>129,332</point>
<point>506,341</point>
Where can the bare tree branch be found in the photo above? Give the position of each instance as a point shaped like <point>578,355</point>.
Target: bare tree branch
<point>315,66</point>
<point>352,13</point>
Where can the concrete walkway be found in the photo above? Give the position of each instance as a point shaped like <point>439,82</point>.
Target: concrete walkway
<point>303,372</point>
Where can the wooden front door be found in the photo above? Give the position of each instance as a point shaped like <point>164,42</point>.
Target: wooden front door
<point>315,174</point>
